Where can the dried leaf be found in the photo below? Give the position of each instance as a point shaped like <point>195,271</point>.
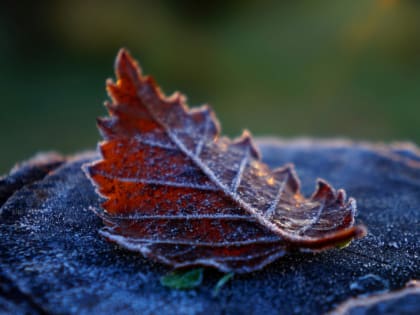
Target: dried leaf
<point>183,195</point>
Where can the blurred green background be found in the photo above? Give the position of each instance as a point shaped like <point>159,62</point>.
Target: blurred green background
<point>347,68</point>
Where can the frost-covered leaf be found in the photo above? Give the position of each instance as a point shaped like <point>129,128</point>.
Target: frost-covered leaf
<point>181,194</point>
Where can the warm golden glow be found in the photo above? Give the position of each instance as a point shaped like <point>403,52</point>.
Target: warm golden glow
<point>388,3</point>
<point>260,169</point>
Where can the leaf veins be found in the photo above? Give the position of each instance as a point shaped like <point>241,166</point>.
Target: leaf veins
<point>181,194</point>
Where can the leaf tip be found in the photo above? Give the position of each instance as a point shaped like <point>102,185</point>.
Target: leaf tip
<point>123,56</point>
<point>341,197</point>
<point>324,191</point>
<point>126,67</point>
<point>104,126</point>
<point>245,141</point>
<point>360,231</point>
<point>287,173</point>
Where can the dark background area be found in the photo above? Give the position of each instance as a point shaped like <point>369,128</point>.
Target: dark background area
<point>284,68</point>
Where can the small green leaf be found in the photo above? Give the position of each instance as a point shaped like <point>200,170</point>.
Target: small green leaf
<point>343,244</point>
<point>219,285</point>
<point>183,280</point>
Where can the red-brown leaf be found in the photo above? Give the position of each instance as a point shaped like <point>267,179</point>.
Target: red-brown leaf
<point>181,194</point>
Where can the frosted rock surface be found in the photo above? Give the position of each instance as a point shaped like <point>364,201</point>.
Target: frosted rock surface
<point>52,259</point>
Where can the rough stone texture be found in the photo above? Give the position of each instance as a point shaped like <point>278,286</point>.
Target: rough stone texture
<point>403,302</point>
<point>27,172</point>
<point>52,259</point>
